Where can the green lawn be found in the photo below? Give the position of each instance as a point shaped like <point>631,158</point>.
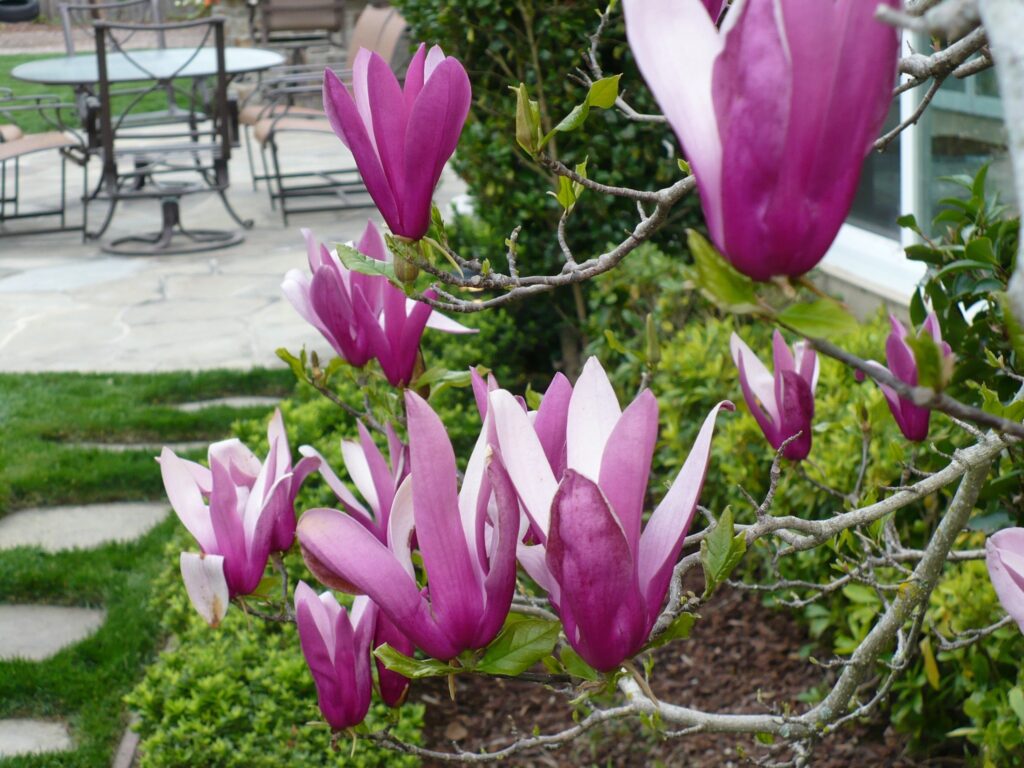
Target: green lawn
<point>84,684</point>
<point>41,413</point>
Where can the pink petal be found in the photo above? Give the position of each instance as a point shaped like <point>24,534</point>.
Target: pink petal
<point>186,499</point>
<point>593,413</point>
<point>206,586</point>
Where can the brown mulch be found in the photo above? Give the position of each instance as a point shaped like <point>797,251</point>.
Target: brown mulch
<point>741,657</point>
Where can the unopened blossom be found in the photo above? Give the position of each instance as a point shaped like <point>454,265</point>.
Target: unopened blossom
<point>363,316</point>
<point>583,489</point>
<point>336,645</point>
<point>1004,556</point>
<point>236,510</point>
<point>775,113</point>
<point>400,138</point>
<point>466,538</point>
<point>377,479</point>
<point>912,419</point>
<point>782,402</point>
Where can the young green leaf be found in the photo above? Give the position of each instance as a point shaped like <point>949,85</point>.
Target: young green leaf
<point>679,629</point>
<point>717,279</point>
<point>818,319</point>
<point>521,643</point>
<point>720,552</point>
<point>414,669</point>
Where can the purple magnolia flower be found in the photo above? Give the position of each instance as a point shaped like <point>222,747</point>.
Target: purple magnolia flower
<point>912,419</point>
<point>1004,556</point>
<point>783,403</point>
<point>337,649</point>
<point>400,138</point>
<point>363,316</point>
<point>467,540</point>
<point>583,487</point>
<point>250,509</point>
<point>776,113</point>
<point>377,482</point>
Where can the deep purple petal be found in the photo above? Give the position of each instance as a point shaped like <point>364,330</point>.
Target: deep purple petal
<point>590,557</point>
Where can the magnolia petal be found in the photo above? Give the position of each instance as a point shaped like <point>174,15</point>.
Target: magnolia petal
<point>401,525</point>
<point>593,413</point>
<point>500,582</point>
<point>206,586</point>
<point>1004,556</point>
<point>345,549</point>
<point>352,505</point>
<point>523,456</point>
<point>626,464</point>
<point>359,470</point>
<point>663,537</point>
<point>675,43</point>
<point>552,420</point>
<point>590,557</point>
<point>186,499</point>
<point>348,124</point>
<point>455,589</point>
<point>439,322</point>
<point>390,124</point>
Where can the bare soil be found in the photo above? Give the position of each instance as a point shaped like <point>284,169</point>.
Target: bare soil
<point>741,657</point>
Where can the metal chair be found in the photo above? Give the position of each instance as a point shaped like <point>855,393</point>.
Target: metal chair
<point>295,25</point>
<point>16,144</point>
<point>81,16</point>
<point>381,29</point>
<point>161,155</point>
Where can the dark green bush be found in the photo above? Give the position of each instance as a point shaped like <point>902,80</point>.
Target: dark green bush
<point>240,696</point>
<point>540,43</point>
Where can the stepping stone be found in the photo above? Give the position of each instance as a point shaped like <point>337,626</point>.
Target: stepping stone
<point>37,632</point>
<point>154,448</point>
<point>26,737</point>
<point>56,529</point>
<point>241,401</point>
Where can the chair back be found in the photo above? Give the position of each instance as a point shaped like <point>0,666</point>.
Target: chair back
<point>82,15</point>
<point>304,16</point>
<point>380,29</point>
<point>198,76</point>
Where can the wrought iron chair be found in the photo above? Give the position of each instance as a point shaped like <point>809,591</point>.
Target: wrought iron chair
<point>173,160</point>
<point>82,15</point>
<point>295,25</point>
<point>16,144</point>
<point>381,29</point>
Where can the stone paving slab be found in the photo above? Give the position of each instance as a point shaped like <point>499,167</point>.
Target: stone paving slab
<point>153,448</point>
<point>26,737</point>
<point>241,401</point>
<point>37,632</point>
<point>57,529</point>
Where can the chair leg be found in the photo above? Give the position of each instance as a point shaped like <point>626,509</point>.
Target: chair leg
<point>248,152</point>
<point>279,181</point>
<point>266,176</point>
<point>17,183</point>
<point>244,223</point>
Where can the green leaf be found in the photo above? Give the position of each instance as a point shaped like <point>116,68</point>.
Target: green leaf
<point>363,264</point>
<point>269,588</point>
<point>928,358</point>
<point>720,552</point>
<point>1014,325</point>
<point>293,362</point>
<point>818,319</point>
<point>980,249</point>
<point>909,221</point>
<point>765,737</point>
<point>604,92</point>
<point>614,343</point>
<point>527,121</point>
<point>717,278</point>
<point>576,666</point>
<point>414,669</point>
<point>522,642</point>
<point>679,629</point>
<point>963,265</point>
<point>566,195</point>
<point>931,669</point>
<point>1016,699</point>
<point>533,398</point>
<point>683,166</point>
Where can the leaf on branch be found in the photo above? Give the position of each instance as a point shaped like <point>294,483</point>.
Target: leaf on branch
<point>363,264</point>
<point>522,642</point>
<point>717,279</point>
<point>576,666</point>
<point>931,669</point>
<point>414,669</point>
<point>720,552</point>
<point>602,95</point>
<point>679,629</point>
<point>297,366</point>
<point>818,319</point>
<point>928,357</point>
<point>528,134</point>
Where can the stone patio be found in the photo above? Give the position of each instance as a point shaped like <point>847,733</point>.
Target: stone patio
<point>70,307</point>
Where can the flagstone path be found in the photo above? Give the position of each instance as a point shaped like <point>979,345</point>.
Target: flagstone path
<point>34,633</point>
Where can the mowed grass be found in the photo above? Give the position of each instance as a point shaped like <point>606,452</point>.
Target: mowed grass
<point>31,121</point>
<point>43,415</point>
<point>84,684</point>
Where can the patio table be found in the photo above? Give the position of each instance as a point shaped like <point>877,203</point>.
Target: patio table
<point>81,72</point>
